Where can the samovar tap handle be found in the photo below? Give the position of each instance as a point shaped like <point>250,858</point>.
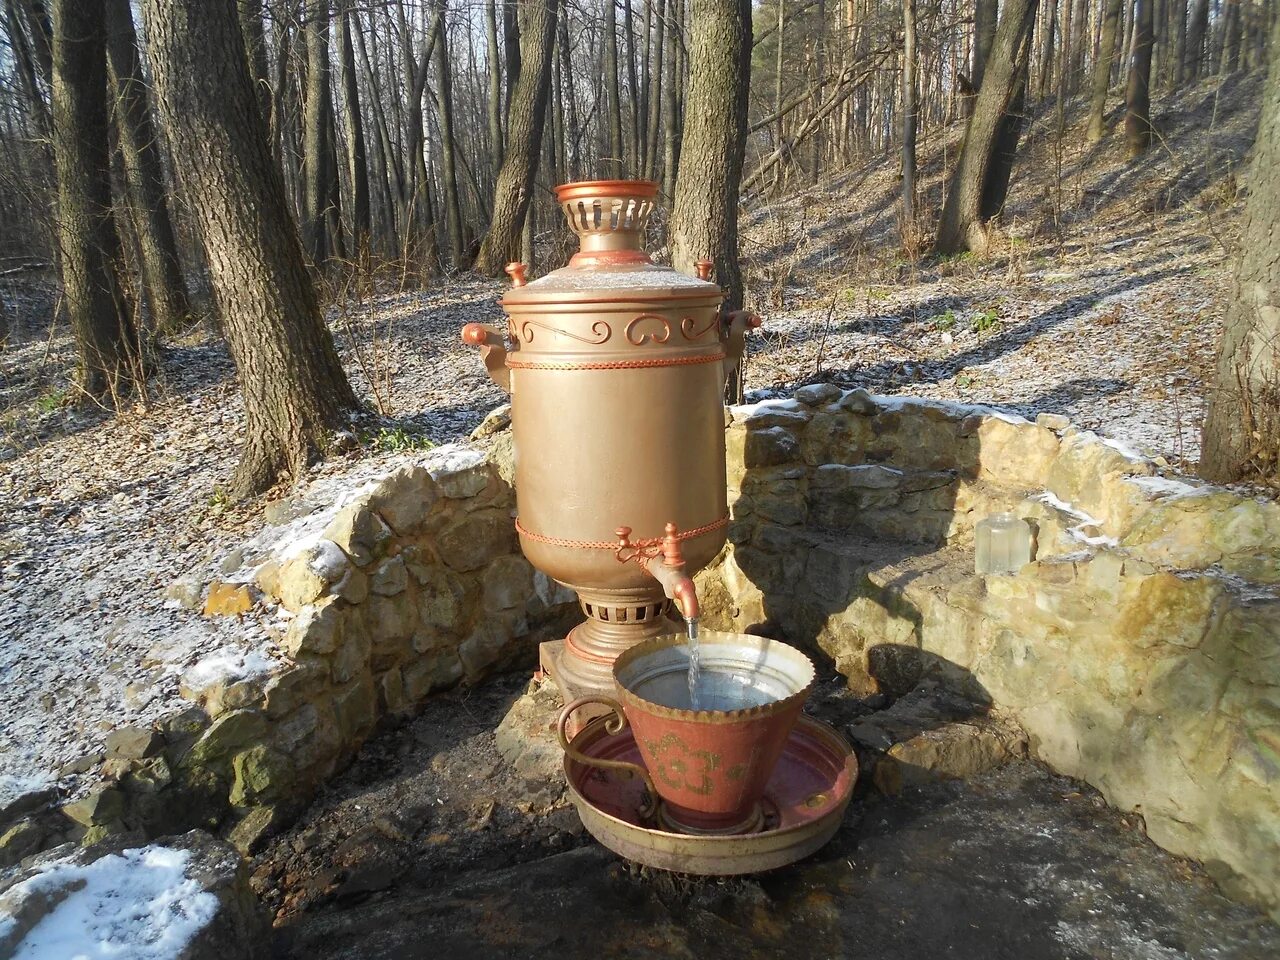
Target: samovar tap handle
<point>493,351</point>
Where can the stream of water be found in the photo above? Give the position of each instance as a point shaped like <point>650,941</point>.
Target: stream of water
<point>691,628</point>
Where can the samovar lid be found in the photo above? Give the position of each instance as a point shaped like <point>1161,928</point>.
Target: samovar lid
<point>609,217</point>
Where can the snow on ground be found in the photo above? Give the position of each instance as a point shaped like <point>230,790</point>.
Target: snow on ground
<point>136,905</point>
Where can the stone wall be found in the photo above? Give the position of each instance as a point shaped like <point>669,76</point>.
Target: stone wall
<point>413,584</point>
<point>1140,650</point>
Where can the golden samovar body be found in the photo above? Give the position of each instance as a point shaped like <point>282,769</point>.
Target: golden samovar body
<point>616,369</point>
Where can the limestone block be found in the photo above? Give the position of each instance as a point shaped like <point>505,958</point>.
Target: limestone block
<point>354,707</point>
<point>359,531</point>
<point>459,472</point>
<point>764,447</point>
<point>226,734</point>
<point>304,579</point>
<point>227,600</point>
<point>404,499</point>
<point>1016,454</point>
<point>835,435</point>
<point>431,673</point>
<point>508,584</point>
<point>440,599</point>
<point>1167,609</point>
<point>474,539</point>
<point>260,773</point>
<point>133,743</point>
<point>858,401</point>
<point>391,696</point>
<point>298,683</point>
<point>389,577</point>
<point>20,840</point>
<point>388,621</point>
<point>102,805</point>
<point>309,736</point>
<point>315,630</point>
<point>351,659</point>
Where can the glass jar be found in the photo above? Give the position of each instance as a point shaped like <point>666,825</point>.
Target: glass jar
<point>1002,544</point>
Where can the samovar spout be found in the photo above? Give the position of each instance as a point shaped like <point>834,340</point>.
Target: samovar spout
<point>664,561</point>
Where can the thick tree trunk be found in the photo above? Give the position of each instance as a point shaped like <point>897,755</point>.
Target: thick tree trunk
<point>514,190</point>
<point>316,154</point>
<point>910,111</point>
<point>1242,427</point>
<point>106,342</point>
<point>357,165</point>
<point>292,382</point>
<point>511,46</point>
<point>1046,49</point>
<point>1137,99</point>
<point>961,226</point>
<point>144,174</point>
<point>1102,71</point>
<point>704,222</point>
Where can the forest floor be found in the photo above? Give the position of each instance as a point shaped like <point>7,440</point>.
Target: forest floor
<point>1101,299</point>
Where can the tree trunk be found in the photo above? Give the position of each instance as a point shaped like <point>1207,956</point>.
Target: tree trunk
<point>633,127</point>
<point>961,226</point>
<point>654,68</point>
<point>291,380</point>
<point>495,85</point>
<point>1197,31</point>
<point>1102,71</point>
<point>1046,50</point>
<point>106,342</point>
<point>448,146</point>
<point>704,222</point>
<point>256,44</point>
<point>357,166</point>
<point>985,18</point>
<point>1241,438</point>
<point>514,189</point>
<point>613,92</point>
<point>910,112</point>
<point>1137,99</point>
<point>315,142</point>
<point>671,132</point>
<point>511,47</point>
<point>572,132</point>
<point>144,174</point>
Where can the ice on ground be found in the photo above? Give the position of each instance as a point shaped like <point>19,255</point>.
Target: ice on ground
<point>1164,488</point>
<point>13,787</point>
<point>136,905</point>
<point>228,666</point>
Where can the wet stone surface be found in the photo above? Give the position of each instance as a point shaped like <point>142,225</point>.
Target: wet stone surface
<point>432,846</point>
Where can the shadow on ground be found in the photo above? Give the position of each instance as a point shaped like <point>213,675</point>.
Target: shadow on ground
<point>1015,864</point>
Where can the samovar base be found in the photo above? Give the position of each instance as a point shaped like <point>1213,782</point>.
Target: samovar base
<point>582,663</point>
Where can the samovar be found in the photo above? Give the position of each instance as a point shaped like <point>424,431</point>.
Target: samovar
<point>616,368</point>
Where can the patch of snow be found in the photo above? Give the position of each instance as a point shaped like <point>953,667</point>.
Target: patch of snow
<point>1124,449</point>
<point>650,276</point>
<point>452,458</point>
<point>136,905</point>
<point>1166,488</point>
<point>13,787</point>
<point>227,667</point>
<point>902,401</point>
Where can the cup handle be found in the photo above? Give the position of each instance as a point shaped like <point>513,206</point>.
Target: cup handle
<point>614,724</point>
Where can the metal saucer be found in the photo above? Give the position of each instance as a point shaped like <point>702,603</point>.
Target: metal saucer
<point>803,805</point>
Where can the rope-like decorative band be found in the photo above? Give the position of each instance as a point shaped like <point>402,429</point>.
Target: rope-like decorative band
<point>613,544</point>
<point>515,364</point>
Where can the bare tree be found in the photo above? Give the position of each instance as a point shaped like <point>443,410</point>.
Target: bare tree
<point>973,187</point>
<point>704,222</point>
<point>524,137</point>
<point>357,164</point>
<point>910,111</point>
<point>295,392</point>
<point>1241,436</point>
<point>144,174</point>
<point>1102,71</point>
<point>1137,100</point>
<point>106,341</point>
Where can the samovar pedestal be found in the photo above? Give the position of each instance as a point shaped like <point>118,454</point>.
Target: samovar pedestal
<point>582,663</point>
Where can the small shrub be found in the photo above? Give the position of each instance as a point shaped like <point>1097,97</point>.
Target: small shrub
<point>397,440</point>
<point>984,321</point>
<point>943,321</point>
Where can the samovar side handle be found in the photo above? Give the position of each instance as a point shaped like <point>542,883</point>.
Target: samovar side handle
<point>493,351</point>
<point>733,331</point>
